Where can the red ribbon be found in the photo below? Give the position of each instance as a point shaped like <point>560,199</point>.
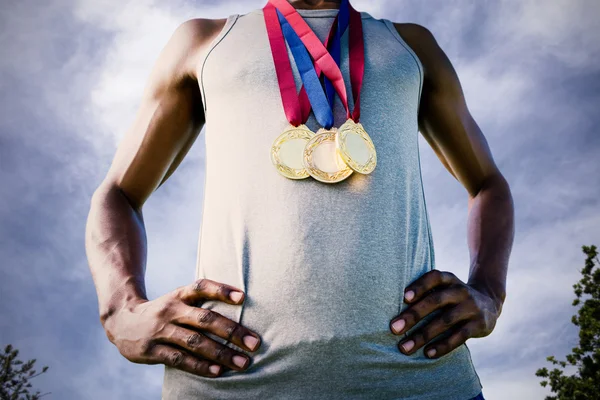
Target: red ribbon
<point>295,112</point>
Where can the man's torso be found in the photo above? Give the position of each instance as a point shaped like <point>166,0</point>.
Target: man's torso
<point>323,266</point>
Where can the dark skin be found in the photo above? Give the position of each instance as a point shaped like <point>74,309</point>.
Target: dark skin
<point>466,309</point>
<point>171,329</point>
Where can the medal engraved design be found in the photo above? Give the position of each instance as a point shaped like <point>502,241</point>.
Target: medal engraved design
<point>321,159</point>
<point>355,147</point>
<point>287,151</point>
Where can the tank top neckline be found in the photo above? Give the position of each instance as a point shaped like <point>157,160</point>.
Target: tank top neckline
<point>322,13</point>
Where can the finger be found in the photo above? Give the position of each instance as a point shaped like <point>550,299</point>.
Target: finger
<point>213,322</point>
<point>209,289</point>
<point>438,326</point>
<point>179,359</point>
<point>427,282</point>
<point>202,346</point>
<point>430,302</point>
<point>460,334</point>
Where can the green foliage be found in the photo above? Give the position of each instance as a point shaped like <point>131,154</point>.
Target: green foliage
<point>584,384</point>
<point>15,376</point>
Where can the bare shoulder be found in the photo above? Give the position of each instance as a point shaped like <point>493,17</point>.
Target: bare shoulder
<point>437,67</point>
<point>200,30</point>
<point>418,37</point>
<point>444,118</point>
<point>190,39</point>
<point>413,31</point>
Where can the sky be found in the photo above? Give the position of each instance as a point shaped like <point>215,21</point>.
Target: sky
<point>71,77</point>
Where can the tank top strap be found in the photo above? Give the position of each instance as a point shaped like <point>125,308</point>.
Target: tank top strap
<point>231,20</point>
<point>395,34</point>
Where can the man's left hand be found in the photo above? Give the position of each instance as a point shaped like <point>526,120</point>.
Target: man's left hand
<point>467,311</point>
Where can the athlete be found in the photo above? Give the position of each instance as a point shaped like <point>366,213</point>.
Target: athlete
<point>303,289</point>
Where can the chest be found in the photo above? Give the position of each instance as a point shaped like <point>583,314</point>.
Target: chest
<point>241,67</point>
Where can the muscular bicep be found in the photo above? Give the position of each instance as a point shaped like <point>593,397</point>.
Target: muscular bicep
<point>444,118</point>
<point>168,120</point>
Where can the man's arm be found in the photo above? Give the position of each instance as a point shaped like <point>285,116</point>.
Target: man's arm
<point>447,125</point>
<point>168,121</point>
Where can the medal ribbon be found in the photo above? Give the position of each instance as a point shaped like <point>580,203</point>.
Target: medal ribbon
<point>323,113</point>
<point>287,86</point>
<point>323,60</point>
<point>339,26</point>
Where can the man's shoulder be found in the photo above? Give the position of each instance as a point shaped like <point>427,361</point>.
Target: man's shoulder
<point>422,41</point>
<point>199,31</point>
<point>411,29</point>
<point>418,37</point>
<point>188,43</point>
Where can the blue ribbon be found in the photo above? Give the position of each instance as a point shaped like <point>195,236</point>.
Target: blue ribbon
<point>334,46</point>
<point>321,108</point>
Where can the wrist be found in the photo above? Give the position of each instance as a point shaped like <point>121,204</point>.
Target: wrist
<point>127,296</point>
<point>496,293</point>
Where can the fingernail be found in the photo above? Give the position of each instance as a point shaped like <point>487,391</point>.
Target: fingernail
<point>431,352</point>
<point>214,369</point>
<point>409,295</point>
<point>250,341</point>
<point>236,296</point>
<point>408,345</point>
<point>398,325</point>
<point>239,361</point>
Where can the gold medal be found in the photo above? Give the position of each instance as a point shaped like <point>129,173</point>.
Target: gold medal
<point>321,160</point>
<point>287,151</point>
<point>355,147</point>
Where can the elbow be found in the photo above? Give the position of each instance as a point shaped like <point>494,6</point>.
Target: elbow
<point>495,183</point>
<point>494,188</point>
<point>100,194</point>
<point>500,186</point>
<point>109,191</point>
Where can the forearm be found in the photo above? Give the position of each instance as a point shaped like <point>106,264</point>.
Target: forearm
<point>490,237</point>
<point>116,249</point>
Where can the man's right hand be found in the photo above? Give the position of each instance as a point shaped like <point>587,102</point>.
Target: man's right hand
<point>168,330</point>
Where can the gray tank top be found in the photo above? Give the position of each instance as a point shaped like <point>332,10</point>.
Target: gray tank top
<point>324,266</point>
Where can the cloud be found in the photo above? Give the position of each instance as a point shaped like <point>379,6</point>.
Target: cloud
<point>72,74</point>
